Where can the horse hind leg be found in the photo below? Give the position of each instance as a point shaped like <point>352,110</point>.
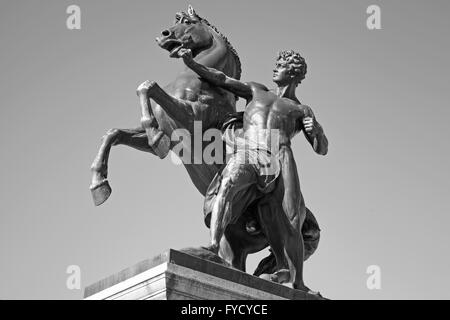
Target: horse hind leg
<point>232,249</point>
<point>268,211</point>
<point>157,139</point>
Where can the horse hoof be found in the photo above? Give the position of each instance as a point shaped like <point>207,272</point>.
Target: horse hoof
<point>101,192</point>
<point>282,276</point>
<point>266,276</point>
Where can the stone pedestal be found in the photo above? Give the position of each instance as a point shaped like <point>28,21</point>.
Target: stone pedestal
<point>175,275</point>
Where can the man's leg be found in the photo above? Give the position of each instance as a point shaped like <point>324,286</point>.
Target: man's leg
<point>285,241</point>
<point>233,196</point>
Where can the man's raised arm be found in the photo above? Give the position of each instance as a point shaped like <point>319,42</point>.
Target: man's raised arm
<point>216,77</point>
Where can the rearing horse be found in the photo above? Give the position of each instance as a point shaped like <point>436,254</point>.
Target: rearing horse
<point>188,99</point>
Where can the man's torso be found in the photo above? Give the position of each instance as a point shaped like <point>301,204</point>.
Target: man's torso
<point>267,115</point>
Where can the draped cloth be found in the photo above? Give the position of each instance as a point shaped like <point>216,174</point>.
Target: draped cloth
<point>250,172</point>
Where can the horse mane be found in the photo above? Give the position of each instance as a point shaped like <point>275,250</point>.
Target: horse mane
<point>228,44</point>
<point>225,39</point>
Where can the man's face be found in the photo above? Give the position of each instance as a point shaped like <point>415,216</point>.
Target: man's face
<point>281,74</point>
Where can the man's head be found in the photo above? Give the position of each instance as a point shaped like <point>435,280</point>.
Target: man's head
<point>290,67</point>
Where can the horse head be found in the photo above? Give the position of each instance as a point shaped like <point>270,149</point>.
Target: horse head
<point>190,31</point>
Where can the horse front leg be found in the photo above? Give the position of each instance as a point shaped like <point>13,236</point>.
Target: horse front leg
<point>135,138</point>
<point>157,139</point>
<point>178,109</point>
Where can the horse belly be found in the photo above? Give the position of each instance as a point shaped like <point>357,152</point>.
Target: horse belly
<point>202,175</point>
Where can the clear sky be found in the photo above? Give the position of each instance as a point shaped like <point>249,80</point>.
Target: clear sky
<point>382,96</point>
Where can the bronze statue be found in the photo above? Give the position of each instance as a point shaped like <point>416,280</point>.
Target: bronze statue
<point>191,98</point>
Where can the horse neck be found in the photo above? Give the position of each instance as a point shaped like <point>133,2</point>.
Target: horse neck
<point>218,56</point>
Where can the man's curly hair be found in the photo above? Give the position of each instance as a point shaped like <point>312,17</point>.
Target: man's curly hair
<point>295,62</point>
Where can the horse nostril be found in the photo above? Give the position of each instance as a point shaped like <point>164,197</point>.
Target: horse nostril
<point>166,33</point>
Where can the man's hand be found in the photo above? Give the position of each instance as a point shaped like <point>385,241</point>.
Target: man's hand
<point>308,124</point>
<point>186,54</point>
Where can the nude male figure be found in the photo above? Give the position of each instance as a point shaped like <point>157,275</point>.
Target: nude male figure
<point>268,110</point>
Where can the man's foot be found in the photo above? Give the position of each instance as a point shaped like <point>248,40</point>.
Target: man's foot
<point>304,288</point>
<point>214,249</point>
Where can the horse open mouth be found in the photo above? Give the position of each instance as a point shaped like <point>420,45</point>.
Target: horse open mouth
<point>172,46</point>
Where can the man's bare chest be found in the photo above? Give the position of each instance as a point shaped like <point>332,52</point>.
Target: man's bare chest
<point>271,111</point>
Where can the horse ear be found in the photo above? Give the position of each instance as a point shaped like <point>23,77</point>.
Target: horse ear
<point>191,11</point>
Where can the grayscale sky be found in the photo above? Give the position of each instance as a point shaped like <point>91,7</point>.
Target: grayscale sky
<point>382,96</point>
